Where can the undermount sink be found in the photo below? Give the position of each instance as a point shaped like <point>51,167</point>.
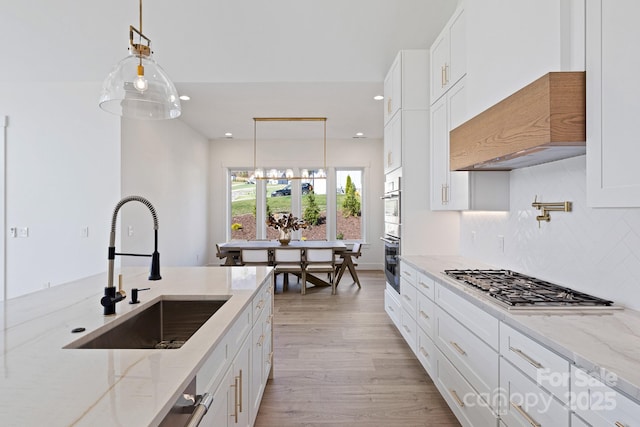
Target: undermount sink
<point>167,324</point>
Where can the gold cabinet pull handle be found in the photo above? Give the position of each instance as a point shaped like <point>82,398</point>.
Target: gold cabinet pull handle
<point>424,352</point>
<point>526,357</point>
<point>442,195</point>
<point>456,398</point>
<point>619,424</point>
<point>240,390</point>
<point>525,415</point>
<point>458,348</point>
<point>423,314</point>
<point>235,401</point>
<point>424,285</point>
<point>388,105</point>
<point>442,76</point>
<point>446,73</point>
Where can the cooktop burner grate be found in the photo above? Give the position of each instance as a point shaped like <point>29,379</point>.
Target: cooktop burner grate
<point>516,289</point>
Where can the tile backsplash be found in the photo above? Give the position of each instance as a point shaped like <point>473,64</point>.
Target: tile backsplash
<point>594,250</point>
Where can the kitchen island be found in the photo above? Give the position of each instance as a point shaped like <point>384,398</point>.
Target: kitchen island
<point>44,383</point>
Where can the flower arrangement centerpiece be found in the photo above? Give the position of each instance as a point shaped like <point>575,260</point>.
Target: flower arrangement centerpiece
<point>285,223</point>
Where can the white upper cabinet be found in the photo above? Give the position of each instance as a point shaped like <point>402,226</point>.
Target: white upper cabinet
<point>613,36</point>
<point>512,43</point>
<point>405,89</point>
<point>393,89</point>
<point>449,55</point>
<point>449,190</point>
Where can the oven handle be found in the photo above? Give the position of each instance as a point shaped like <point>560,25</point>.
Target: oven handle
<point>394,195</point>
<point>386,240</point>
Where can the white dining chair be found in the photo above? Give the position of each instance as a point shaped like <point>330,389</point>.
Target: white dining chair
<point>319,261</point>
<point>288,260</point>
<point>254,257</point>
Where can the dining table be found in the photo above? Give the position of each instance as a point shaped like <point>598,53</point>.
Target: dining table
<point>233,248</point>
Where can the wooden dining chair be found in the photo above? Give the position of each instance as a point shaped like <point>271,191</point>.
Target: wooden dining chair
<point>319,261</point>
<point>287,260</point>
<point>354,253</point>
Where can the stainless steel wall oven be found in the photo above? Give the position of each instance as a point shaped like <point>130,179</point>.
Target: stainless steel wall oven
<point>391,236</point>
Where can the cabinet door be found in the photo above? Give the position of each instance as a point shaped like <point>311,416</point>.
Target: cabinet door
<point>242,374</point>
<point>218,414</point>
<point>457,67</point>
<point>393,89</point>
<point>612,103</point>
<point>450,190</point>
<point>439,59</point>
<point>439,155</point>
<point>458,198</point>
<point>393,144</point>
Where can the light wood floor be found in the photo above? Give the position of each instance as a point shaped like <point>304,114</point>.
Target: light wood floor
<point>340,361</point>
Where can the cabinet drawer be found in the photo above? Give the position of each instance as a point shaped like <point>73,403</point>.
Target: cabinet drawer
<point>475,360</point>
<point>425,351</point>
<point>463,400</point>
<point>408,273</point>
<point>392,305</point>
<point>599,404</point>
<point>540,364</point>
<point>262,299</point>
<point>526,404</point>
<point>426,314</point>
<point>409,330</point>
<point>426,285</point>
<point>239,331</point>
<point>409,298</point>
<point>474,318</point>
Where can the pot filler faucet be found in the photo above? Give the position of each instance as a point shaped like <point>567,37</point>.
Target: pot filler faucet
<point>111,297</point>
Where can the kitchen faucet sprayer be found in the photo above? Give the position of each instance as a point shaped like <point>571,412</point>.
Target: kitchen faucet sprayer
<point>111,297</point>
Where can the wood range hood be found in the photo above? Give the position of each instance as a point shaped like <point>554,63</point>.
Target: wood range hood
<point>542,122</point>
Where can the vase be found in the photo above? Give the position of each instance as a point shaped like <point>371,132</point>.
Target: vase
<point>285,237</point>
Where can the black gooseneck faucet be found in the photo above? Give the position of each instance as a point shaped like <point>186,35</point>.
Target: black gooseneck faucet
<point>111,296</point>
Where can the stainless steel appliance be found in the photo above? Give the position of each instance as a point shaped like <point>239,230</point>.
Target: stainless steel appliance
<point>391,236</point>
<point>518,291</point>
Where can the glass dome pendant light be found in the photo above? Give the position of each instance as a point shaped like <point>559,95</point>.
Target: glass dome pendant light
<point>137,87</point>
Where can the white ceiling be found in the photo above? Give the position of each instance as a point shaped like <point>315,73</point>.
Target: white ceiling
<point>237,59</point>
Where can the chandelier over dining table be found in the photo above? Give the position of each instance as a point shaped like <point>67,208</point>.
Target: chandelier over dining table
<point>259,171</point>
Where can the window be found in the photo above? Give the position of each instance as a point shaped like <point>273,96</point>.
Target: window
<point>349,204</point>
<point>243,205</point>
<point>307,198</point>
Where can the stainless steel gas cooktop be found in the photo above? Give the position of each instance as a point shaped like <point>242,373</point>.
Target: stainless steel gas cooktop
<point>516,290</point>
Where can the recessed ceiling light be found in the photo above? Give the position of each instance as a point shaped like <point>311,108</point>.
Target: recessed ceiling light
<point>378,97</point>
<point>228,134</point>
<point>359,135</point>
<point>185,97</point>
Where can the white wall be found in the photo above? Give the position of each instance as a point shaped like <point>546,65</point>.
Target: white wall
<point>357,153</point>
<point>591,250</point>
<point>62,175</point>
<point>167,163</point>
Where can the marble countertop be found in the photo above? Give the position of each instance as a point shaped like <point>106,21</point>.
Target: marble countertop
<point>604,343</point>
<point>44,384</point>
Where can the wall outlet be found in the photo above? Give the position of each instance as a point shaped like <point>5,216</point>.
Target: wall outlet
<point>84,232</point>
<point>23,232</point>
<point>130,231</point>
<point>500,243</point>
<point>13,231</point>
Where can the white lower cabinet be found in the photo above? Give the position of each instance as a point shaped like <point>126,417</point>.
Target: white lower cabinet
<point>426,352</point>
<point>524,403</point>
<point>474,359</point>
<point>237,371</point>
<point>409,329</point>
<point>540,364</point>
<point>392,306</point>
<point>468,406</point>
<point>600,405</point>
